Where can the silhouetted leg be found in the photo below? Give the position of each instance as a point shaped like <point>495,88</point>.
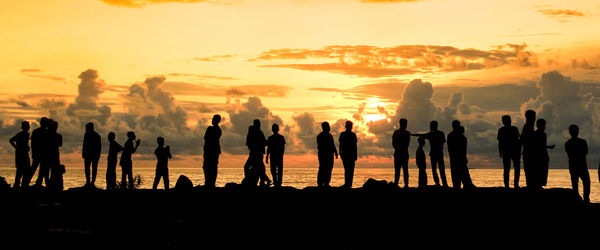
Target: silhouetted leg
<point>466,177</point>
<point>280,173</point>
<point>43,174</point>
<point>123,177</point>
<point>455,175</point>
<point>422,177</point>
<point>130,177</point>
<point>328,171</point>
<point>397,159</point>
<point>321,172</point>
<point>94,170</point>
<point>111,174</point>
<point>18,176</point>
<point>157,176</point>
<point>166,179</point>
<point>86,163</point>
<point>348,172</point>
<point>544,174</point>
<point>405,171</point>
<point>585,180</point>
<point>31,172</point>
<point>517,166</point>
<point>442,171</point>
<point>436,179</point>
<point>506,162</point>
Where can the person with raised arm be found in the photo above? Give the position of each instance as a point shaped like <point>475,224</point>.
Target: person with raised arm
<point>400,142</point>
<point>126,161</point>
<point>212,150</point>
<point>437,139</point>
<point>325,151</point>
<point>21,144</point>
<point>163,154</point>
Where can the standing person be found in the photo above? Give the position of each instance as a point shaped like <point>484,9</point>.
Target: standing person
<point>55,141</point>
<point>37,139</point>
<point>212,150</point>
<point>436,152</point>
<point>348,153</point>
<point>21,144</point>
<point>90,153</point>
<point>255,167</point>
<point>528,148</point>
<point>577,151</point>
<point>48,141</point>
<point>163,154</point>
<point>276,149</point>
<point>543,159</point>
<point>126,162</point>
<point>325,151</point>
<point>509,148</point>
<point>400,142</point>
<point>111,161</point>
<point>457,150</point>
<point>421,162</point>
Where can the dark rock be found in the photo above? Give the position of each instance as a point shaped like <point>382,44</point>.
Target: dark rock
<point>3,184</point>
<point>183,184</point>
<point>372,184</point>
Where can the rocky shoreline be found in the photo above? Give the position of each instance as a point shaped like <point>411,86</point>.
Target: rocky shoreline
<point>378,215</point>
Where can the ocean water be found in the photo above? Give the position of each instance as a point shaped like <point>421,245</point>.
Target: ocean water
<point>303,177</point>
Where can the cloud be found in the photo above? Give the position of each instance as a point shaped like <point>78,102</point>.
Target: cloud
<point>561,13</point>
<point>143,3</point>
<point>217,58</point>
<point>85,105</point>
<point>191,89</point>
<point>38,73</point>
<point>389,1</point>
<point>372,61</point>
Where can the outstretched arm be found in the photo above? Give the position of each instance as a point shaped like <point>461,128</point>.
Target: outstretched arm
<point>12,141</point>
<point>137,144</point>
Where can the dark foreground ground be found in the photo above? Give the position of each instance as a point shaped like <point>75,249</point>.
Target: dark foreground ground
<point>377,217</point>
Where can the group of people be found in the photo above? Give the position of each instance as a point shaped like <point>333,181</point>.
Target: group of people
<point>531,144</point>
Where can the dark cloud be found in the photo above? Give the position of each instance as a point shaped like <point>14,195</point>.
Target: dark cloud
<point>372,61</point>
<point>191,89</point>
<point>561,13</point>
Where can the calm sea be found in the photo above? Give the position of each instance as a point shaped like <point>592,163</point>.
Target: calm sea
<point>303,177</point>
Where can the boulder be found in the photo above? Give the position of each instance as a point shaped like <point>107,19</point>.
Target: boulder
<point>372,184</point>
<point>183,184</point>
<point>3,184</point>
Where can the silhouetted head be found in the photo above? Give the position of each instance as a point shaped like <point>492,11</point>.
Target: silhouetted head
<point>403,123</point>
<point>25,126</point>
<point>257,123</point>
<point>541,124</point>
<point>216,119</point>
<point>89,127</point>
<point>455,124</point>
<point>111,136</point>
<point>325,126</point>
<point>131,135</point>
<point>506,120</point>
<point>275,128</point>
<point>52,125</point>
<point>44,122</point>
<point>529,116</point>
<point>433,125</point>
<point>160,140</point>
<point>460,129</point>
<point>349,125</point>
<point>574,131</point>
<point>421,141</point>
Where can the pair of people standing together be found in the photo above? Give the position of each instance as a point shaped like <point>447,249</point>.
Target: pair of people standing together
<point>326,151</point>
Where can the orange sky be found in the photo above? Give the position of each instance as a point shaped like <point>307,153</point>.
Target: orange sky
<point>326,58</point>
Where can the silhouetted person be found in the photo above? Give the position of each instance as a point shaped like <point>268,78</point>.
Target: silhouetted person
<point>111,161</point>
<point>436,152</point>
<point>325,151</point>
<point>55,141</point>
<point>212,150</point>
<point>348,153</point>
<point>48,153</point>
<point>400,142</point>
<point>421,162</point>
<point>509,147</point>
<point>90,152</point>
<point>163,154</point>
<point>255,167</point>
<point>527,142</point>
<point>36,149</point>
<point>126,162</point>
<point>577,151</point>
<point>21,144</point>
<point>541,152</point>
<point>457,150</point>
<point>275,150</point>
